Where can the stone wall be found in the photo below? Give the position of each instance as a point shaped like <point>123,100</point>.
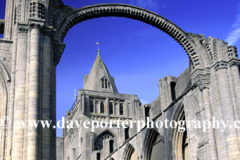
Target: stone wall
<point>59,148</point>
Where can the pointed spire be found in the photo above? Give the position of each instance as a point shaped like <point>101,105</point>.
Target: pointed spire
<point>99,78</point>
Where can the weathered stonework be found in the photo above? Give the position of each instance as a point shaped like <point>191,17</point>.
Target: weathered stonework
<point>30,51</point>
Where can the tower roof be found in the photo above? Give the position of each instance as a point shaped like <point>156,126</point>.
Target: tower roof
<point>99,78</point>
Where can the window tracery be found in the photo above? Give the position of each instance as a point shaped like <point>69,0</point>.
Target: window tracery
<point>98,145</point>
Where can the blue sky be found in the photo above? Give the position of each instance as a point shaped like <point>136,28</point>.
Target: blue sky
<point>137,54</point>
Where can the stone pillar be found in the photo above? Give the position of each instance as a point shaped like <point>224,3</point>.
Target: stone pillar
<point>208,114</point>
<point>19,106</point>
<point>26,101</point>
<point>12,95</point>
<point>234,67</point>
<point>107,106</point>
<point>163,91</point>
<point>125,109</point>
<point>202,79</point>
<point>9,19</point>
<point>88,146</point>
<point>53,113</point>
<point>46,93</point>
<point>227,109</point>
<point>34,85</point>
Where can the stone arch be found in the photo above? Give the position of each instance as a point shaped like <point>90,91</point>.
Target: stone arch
<point>4,78</point>
<point>6,75</point>
<point>178,138</point>
<point>152,143</point>
<point>67,21</point>
<point>106,130</point>
<point>129,152</point>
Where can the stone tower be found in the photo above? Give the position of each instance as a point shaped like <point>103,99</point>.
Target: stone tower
<point>98,101</point>
<point>32,46</point>
<point>99,79</point>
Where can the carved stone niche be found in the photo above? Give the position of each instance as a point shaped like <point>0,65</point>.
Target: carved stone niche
<point>220,65</point>
<point>201,78</point>
<point>22,29</point>
<point>232,52</point>
<point>234,62</point>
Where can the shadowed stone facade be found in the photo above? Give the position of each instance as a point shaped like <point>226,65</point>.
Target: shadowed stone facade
<point>30,51</point>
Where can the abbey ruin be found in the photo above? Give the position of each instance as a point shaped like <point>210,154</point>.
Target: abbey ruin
<point>30,51</point>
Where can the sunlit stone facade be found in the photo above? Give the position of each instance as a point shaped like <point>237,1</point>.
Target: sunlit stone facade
<point>30,51</point>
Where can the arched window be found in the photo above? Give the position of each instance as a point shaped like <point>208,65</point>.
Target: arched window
<point>239,70</point>
<point>102,107</point>
<point>115,108</point>
<point>154,146</point>
<point>146,113</point>
<point>185,145</point>
<point>104,83</point>
<point>111,148</point>
<point>130,153</point>
<point>110,108</point>
<point>180,138</point>
<point>126,133</point>
<point>91,106</point>
<point>121,109</point>
<point>173,91</point>
<point>98,145</point>
<point>98,156</point>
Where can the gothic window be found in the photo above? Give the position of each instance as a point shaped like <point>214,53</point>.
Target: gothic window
<point>126,133</point>
<point>104,83</point>
<point>74,153</point>
<point>239,70</point>
<point>102,107</point>
<point>97,107</point>
<point>185,146</point>
<point>146,113</point>
<point>98,145</point>
<point>110,108</point>
<point>91,106</point>
<point>115,108</point>
<point>173,91</point>
<point>111,143</point>
<point>180,138</point>
<point>98,156</point>
<point>121,109</point>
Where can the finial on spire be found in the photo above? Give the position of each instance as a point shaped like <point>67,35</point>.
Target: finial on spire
<point>98,47</point>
